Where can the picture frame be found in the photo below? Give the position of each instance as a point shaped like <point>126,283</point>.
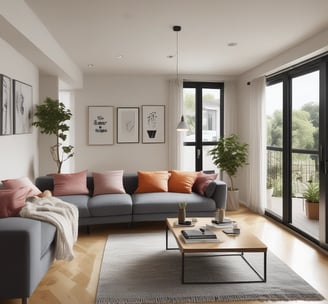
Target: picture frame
<point>101,125</point>
<point>127,125</point>
<point>22,107</point>
<point>6,106</point>
<point>153,124</point>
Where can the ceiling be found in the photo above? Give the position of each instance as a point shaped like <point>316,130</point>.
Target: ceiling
<point>99,32</point>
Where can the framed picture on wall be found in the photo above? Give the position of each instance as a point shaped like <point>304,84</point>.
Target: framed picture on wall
<point>127,125</point>
<point>101,125</point>
<point>6,106</point>
<point>153,124</point>
<point>23,107</point>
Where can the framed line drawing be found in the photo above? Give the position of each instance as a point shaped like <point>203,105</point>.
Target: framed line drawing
<point>101,125</point>
<point>127,125</point>
<point>153,124</point>
<point>6,106</point>
<point>23,107</point>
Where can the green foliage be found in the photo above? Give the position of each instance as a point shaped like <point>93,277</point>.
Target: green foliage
<point>51,117</point>
<point>312,192</point>
<point>229,155</point>
<point>305,127</point>
<point>182,205</point>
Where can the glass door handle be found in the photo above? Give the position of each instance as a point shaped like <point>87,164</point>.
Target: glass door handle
<point>198,153</point>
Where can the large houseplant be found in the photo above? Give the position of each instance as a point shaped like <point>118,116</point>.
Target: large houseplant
<point>51,119</point>
<point>311,195</point>
<point>229,155</point>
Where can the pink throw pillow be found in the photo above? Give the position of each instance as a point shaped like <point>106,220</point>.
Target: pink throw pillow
<point>202,182</point>
<point>108,182</point>
<point>23,182</point>
<point>12,201</point>
<point>70,183</point>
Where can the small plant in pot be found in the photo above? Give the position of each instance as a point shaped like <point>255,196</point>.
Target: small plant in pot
<point>51,117</point>
<point>182,213</point>
<point>229,155</point>
<point>312,197</point>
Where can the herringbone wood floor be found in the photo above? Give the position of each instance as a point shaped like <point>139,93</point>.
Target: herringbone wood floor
<point>76,282</point>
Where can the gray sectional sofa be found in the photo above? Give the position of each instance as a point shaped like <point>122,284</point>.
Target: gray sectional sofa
<point>27,246</point>
<point>139,207</point>
<point>26,253</point>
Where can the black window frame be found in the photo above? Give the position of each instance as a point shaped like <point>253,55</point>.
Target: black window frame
<point>198,86</point>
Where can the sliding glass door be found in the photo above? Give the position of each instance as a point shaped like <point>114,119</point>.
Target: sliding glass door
<point>293,164</point>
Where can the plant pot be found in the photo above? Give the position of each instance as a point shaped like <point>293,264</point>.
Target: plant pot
<point>232,200</point>
<point>151,133</point>
<point>182,215</point>
<point>312,210</point>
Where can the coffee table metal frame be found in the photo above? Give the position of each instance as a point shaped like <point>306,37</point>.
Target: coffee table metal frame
<point>227,251</point>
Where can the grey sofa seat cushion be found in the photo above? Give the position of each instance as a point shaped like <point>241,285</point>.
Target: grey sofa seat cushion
<point>80,201</point>
<point>166,202</point>
<point>48,233</point>
<point>110,204</point>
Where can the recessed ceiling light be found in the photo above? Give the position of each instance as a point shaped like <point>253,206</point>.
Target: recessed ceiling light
<point>119,56</point>
<point>232,44</point>
<point>91,65</point>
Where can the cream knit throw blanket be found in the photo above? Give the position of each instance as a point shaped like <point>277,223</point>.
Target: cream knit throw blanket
<point>63,215</point>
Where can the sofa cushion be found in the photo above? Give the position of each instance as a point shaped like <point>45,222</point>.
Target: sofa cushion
<point>181,181</point>
<point>110,204</point>
<point>12,201</point>
<point>20,183</point>
<point>202,182</point>
<point>165,202</point>
<point>153,181</point>
<point>108,182</point>
<point>80,201</point>
<point>70,183</point>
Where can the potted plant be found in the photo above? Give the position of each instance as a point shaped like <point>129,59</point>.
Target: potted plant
<point>312,197</point>
<point>229,155</point>
<point>152,123</point>
<point>51,117</point>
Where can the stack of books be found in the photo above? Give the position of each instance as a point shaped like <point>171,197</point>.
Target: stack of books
<point>199,235</point>
<point>227,223</point>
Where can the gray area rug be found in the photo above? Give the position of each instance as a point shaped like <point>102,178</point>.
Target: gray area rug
<point>136,268</point>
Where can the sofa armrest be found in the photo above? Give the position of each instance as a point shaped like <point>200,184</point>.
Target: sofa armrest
<point>220,194</point>
<point>20,249</point>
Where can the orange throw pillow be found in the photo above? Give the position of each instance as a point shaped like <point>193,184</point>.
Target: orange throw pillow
<point>154,181</point>
<point>182,181</point>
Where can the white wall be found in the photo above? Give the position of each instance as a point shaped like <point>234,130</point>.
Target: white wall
<point>119,91</point>
<point>19,153</point>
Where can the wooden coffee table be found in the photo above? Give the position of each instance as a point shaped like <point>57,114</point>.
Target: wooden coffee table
<point>230,246</point>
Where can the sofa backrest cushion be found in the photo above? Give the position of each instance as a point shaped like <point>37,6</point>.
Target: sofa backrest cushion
<point>12,201</point>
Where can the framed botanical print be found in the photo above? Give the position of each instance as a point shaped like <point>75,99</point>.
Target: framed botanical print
<point>153,124</point>
<point>101,125</point>
<point>127,125</point>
